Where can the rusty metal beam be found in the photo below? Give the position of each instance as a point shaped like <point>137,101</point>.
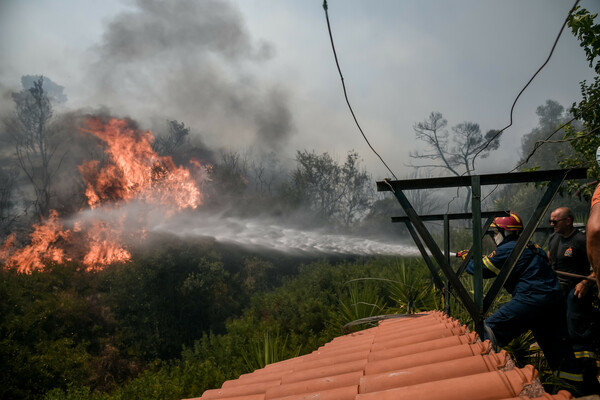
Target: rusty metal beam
<point>488,179</point>
<point>454,216</point>
<point>477,251</point>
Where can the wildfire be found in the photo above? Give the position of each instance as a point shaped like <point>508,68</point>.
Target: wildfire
<point>43,247</point>
<point>103,248</point>
<point>131,172</point>
<point>135,171</point>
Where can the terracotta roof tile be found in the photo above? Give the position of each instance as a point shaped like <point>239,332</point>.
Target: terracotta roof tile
<point>328,370</point>
<point>484,386</point>
<point>432,372</point>
<point>428,356</point>
<point>316,384</point>
<point>392,350</point>
<point>343,393</point>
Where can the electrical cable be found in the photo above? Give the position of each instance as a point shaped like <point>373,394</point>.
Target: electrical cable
<point>547,140</point>
<point>514,104</point>
<point>346,94</point>
<point>539,143</point>
<point>528,83</point>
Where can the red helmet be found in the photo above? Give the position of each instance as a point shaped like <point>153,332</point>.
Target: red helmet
<point>511,223</point>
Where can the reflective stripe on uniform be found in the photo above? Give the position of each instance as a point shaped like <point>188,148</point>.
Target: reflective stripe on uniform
<point>489,265</point>
<point>585,354</point>
<point>570,376</point>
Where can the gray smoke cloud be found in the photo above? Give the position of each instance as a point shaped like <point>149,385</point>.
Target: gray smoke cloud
<point>192,61</point>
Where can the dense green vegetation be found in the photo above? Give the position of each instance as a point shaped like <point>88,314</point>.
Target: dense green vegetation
<point>585,138</point>
<point>185,316</point>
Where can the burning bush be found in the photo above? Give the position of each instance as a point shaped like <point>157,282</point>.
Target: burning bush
<point>131,173</point>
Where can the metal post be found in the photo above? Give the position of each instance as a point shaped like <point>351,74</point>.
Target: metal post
<point>477,256</point>
<point>447,252</point>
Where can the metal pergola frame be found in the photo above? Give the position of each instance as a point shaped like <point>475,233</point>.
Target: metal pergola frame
<point>478,305</point>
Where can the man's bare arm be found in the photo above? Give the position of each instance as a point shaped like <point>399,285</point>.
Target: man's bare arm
<point>593,241</point>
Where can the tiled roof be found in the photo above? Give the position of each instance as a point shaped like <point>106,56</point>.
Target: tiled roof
<point>430,356</point>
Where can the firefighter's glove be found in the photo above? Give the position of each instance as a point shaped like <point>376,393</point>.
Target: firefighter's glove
<point>462,254</point>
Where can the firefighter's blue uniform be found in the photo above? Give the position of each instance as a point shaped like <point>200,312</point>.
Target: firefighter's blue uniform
<point>537,305</point>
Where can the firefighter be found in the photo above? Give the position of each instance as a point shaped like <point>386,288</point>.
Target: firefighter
<point>567,252</point>
<point>537,303</point>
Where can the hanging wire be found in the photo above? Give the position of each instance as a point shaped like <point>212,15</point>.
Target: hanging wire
<point>539,143</point>
<point>346,94</point>
<point>513,107</point>
<point>529,82</point>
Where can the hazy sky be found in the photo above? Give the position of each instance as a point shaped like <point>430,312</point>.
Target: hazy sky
<point>261,74</point>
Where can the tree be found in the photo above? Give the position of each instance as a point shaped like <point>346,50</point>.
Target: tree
<point>432,132</point>
<point>177,137</point>
<point>315,183</point>
<point>523,198</point>
<point>266,172</point>
<point>467,142</point>
<point>8,178</point>
<point>333,192</point>
<point>551,117</point>
<point>586,140</point>
<point>36,143</point>
<point>357,195</point>
<point>228,179</point>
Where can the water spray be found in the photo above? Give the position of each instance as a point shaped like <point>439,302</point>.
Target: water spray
<point>271,235</point>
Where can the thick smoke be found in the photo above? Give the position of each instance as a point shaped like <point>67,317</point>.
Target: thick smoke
<point>165,64</point>
<point>192,61</point>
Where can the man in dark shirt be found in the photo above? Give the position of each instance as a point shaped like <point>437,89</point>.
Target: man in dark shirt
<point>567,253</point>
<point>567,250</point>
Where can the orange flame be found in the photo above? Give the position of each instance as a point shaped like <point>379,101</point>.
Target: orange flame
<point>42,248</point>
<point>104,249</point>
<point>133,171</point>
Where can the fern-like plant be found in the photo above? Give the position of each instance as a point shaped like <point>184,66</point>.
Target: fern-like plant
<point>363,301</point>
<point>266,350</point>
<point>411,288</point>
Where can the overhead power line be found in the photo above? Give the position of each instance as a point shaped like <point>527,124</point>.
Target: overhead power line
<point>483,148</point>
<point>345,92</point>
<point>539,143</point>
<point>514,104</point>
<point>528,83</point>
